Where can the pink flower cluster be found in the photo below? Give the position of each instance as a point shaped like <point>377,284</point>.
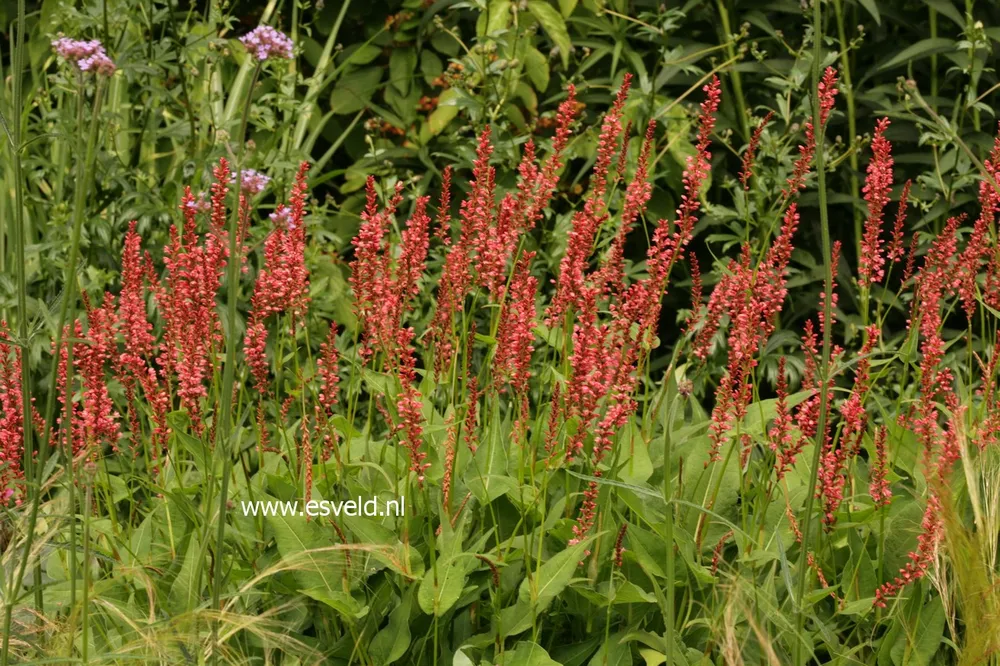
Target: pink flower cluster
<point>11,421</point>
<point>88,56</point>
<point>186,295</point>
<point>752,297</point>
<point>605,356</point>
<point>571,283</point>
<point>516,336</point>
<point>807,149</point>
<point>876,192</point>
<point>253,182</point>
<point>265,42</point>
<point>489,233</point>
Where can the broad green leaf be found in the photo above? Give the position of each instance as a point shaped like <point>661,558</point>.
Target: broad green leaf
<point>441,588</point>
<point>566,7</point>
<point>496,17</point>
<point>461,659</point>
<point>345,604</point>
<point>946,8</point>
<point>306,548</point>
<point>614,652</point>
<point>554,25</point>
<point>916,646</point>
<point>184,594</point>
<point>488,488</point>
<point>402,68</point>
<point>353,91</point>
<point>526,653</point>
<point>576,654</point>
<point>536,66</point>
<point>364,54</point>
<point>444,113</point>
<point>515,619</point>
<point>552,577</point>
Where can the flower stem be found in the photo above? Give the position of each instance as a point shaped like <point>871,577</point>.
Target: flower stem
<point>17,67</point>
<point>824,370</point>
<point>225,426</point>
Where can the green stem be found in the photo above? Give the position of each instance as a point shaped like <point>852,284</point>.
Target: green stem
<point>226,429</point>
<point>852,124</point>
<point>824,226</point>
<point>668,491</point>
<point>734,74</point>
<point>87,508</point>
<point>17,67</point>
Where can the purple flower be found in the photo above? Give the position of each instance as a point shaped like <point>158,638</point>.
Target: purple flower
<point>88,56</point>
<point>199,204</point>
<point>253,182</point>
<point>265,42</point>
<point>282,216</point>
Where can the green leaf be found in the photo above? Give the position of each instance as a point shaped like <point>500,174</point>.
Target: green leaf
<point>441,116</point>
<point>613,653</point>
<point>355,90</point>
<point>922,49</point>
<point>402,68</point>
<point>552,577</point>
<point>442,586</point>
<point>488,488</point>
<point>364,54</point>
<point>526,653</point>
<point>183,592</point>
<point>537,68</point>
<point>555,26</point>
<point>946,8</point>
<point>306,548</point>
<point>342,602</point>
<point>515,619</point>
<point>496,17</point>
<point>872,8</point>
<point>566,7</point>
<point>916,646</point>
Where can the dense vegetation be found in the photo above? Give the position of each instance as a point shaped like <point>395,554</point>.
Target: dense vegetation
<point>673,329</point>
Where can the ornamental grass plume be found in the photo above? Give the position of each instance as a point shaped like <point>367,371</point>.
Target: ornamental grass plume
<point>265,42</point>
<point>878,185</point>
